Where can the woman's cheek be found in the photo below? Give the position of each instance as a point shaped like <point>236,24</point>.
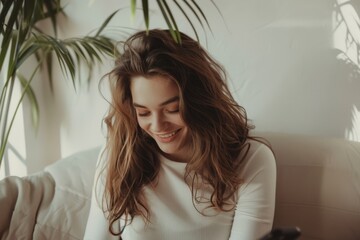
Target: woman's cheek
<point>141,123</point>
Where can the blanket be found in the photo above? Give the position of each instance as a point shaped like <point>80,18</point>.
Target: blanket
<point>51,204</point>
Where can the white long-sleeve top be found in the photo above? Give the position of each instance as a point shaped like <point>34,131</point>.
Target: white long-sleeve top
<point>173,215</point>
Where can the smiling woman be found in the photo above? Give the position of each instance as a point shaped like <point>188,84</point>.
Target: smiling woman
<point>179,162</point>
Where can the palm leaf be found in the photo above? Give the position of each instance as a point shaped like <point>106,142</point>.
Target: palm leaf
<point>81,57</point>
<point>35,112</point>
<point>27,20</point>
<point>12,57</point>
<point>188,19</point>
<point>105,23</point>
<point>26,53</point>
<point>9,75</point>
<point>167,20</point>
<point>168,10</point>
<point>103,45</point>
<point>5,136</point>
<point>65,60</point>
<point>202,13</point>
<point>52,9</point>
<point>219,11</point>
<point>70,52</point>
<point>194,12</point>
<point>6,94</point>
<point>7,37</point>
<point>6,5</point>
<point>133,7</point>
<point>145,5</point>
<point>79,53</point>
<point>49,64</point>
<point>89,49</point>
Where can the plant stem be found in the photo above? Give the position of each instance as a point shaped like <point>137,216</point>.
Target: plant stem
<point>13,58</point>
<point>3,137</point>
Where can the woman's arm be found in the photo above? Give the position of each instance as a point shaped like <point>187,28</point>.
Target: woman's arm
<point>255,208</point>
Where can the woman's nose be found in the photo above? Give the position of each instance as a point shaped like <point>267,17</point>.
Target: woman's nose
<point>157,123</point>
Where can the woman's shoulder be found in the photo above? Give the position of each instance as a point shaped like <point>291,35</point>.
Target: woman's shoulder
<point>258,156</point>
<point>258,146</point>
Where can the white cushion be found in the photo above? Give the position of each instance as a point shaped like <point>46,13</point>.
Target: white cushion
<point>66,216</point>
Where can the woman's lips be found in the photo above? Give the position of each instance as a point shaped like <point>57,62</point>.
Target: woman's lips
<point>167,137</point>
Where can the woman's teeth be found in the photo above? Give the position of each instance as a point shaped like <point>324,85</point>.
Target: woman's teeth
<point>168,135</point>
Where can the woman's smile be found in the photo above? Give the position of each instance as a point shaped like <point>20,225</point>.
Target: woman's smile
<point>167,137</point>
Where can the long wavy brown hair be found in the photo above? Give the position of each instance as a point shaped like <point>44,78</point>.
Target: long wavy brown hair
<point>217,124</point>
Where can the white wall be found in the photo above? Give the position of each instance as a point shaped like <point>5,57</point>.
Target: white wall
<point>282,58</point>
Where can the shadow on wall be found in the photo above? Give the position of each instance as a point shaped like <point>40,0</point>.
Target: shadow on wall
<point>346,32</point>
<point>299,72</point>
<point>335,94</point>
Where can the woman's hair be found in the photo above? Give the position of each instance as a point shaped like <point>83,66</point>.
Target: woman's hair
<point>217,125</point>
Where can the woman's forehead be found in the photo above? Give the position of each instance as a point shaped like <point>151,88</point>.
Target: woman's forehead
<point>153,91</point>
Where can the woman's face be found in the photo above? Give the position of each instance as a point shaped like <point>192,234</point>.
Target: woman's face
<point>156,101</point>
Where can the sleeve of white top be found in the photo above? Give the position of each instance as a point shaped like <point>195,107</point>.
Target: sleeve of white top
<point>255,208</point>
<point>97,227</point>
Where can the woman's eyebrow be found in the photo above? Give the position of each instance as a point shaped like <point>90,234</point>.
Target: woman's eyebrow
<point>170,100</point>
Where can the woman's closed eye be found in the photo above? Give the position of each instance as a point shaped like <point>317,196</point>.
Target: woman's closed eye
<point>143,113</point>
<point>174,110</point>
<point>147,113</point>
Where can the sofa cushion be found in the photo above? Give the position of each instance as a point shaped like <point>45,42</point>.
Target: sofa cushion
<point>318,185</point>
<point>66,216</point>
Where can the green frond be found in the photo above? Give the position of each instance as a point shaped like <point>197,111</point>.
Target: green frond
<point>188,19</point>
<point>105,23</point>
<point>167,20</point>
<point>35,112</point>
<point>145,7</point>
<point>172,18</point>
<point>133,7</point>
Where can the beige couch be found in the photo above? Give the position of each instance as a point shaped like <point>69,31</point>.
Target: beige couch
<point>318,190</point>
